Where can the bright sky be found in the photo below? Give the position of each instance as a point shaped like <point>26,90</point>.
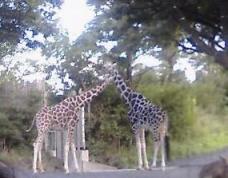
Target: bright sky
<point>74,15</point>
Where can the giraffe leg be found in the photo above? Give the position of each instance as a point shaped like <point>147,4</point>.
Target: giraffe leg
<point>66,151</point>
<point>40,157</point>
<point>36,146</point>
<point>139,150</point>
<point>69,140</point>
<point>156,147</point>
<point>143,147</point>
<point>35,152</point>
<point>74,156</point>
<point>163,153</point>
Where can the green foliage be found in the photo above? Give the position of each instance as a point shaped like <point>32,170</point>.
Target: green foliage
<point>18,18</point>
<point>19,103</point>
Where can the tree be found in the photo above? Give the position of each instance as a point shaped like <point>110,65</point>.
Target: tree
<point>23,20</point>
<point>19,103</point>
<point>194,26</point>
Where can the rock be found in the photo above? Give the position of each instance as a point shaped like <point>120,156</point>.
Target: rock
<point>216,169</point>
<point>6,171</point>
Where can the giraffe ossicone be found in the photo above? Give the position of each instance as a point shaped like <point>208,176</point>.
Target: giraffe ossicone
<point>63,115</point>
<point>142,114</point>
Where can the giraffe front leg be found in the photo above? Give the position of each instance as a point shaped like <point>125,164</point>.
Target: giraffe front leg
<point>139,150</point>
<point>74,156</point>
<point>143,147</point>
<point>156,147</point>
<point>40,157</point>
<point>66,151</point>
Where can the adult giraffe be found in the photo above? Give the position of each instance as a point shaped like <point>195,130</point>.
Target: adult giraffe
<point>63,115</point>
<point>143,115</point>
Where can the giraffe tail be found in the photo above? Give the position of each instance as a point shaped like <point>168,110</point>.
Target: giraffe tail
<point>30,128</point>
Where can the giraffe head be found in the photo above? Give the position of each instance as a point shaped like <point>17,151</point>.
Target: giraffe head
<point>110,69</point>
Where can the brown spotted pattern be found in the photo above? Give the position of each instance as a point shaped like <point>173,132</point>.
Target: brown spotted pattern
<point>63,115</point>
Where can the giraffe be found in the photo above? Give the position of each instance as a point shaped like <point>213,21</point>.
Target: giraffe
<point>142,114</point>
<point>63,115</point>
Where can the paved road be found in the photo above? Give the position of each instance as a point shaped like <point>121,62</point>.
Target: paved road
<point>185,168</point>
<point>169,173</point>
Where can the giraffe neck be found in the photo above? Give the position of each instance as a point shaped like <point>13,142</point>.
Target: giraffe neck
<point>78,101</point>
<point>87,96</point>
<point>124,90</point>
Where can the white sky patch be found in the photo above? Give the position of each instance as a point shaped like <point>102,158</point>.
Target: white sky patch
<point>74,15</point>
<point>183,64</point>
<point>147,60</point>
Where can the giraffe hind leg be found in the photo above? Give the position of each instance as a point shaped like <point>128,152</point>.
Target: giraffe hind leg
<point>143,147</point>
<point>163,153</point>
<point>155,154</point>
<point>139,150</point>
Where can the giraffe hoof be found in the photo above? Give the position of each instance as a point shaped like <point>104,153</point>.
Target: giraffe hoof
<point>139,169</point>
<point>152,167</point>
<point>163,168</point>
<point>147,168</point>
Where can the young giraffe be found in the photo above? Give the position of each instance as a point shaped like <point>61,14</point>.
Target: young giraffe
<point>144,115</point>
<point>63,115</point>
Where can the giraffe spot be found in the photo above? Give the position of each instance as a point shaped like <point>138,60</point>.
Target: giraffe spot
<point>88,94</point>
<point>79,99</point>
<point>82,97</point>
<point>94,91</point>
<point>73,124</point>
<point>140,96</point>
<point>134,96</point>
<point>70,113</point>
<point>65,103</point>
<point>132,102</point>
<point>71,107</point>
<point>123,87</point>
<point>59,114</point>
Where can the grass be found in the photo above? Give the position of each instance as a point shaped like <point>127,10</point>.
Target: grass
<point>209,134</point>
<point>20,157</point>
